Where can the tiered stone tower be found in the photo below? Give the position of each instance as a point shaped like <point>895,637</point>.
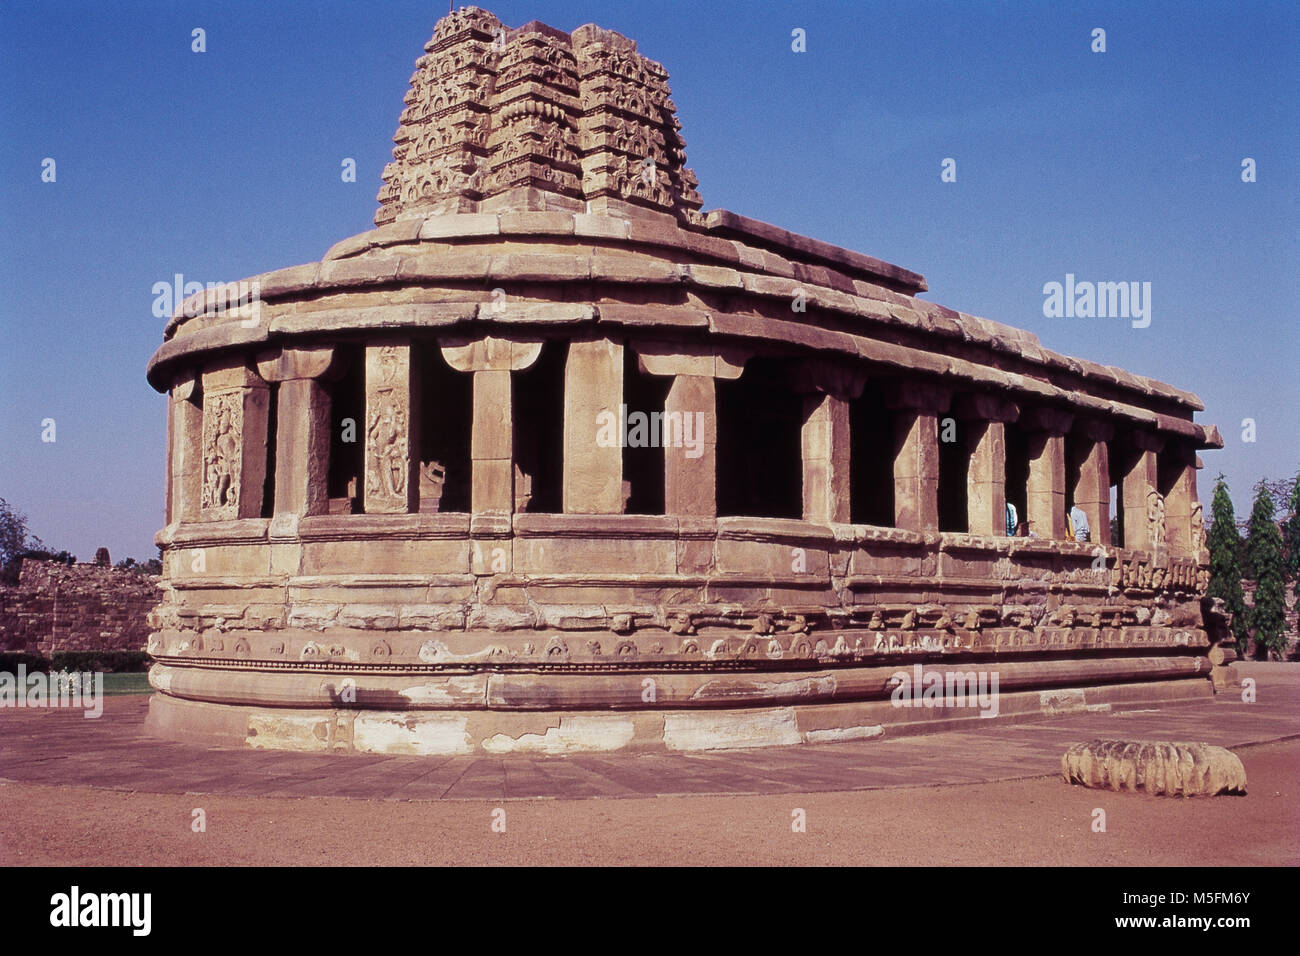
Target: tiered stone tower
<point>535,119</point>
<point>549,461</point>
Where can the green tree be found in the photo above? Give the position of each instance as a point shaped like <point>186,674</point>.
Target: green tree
<point>1291,534</point>
<point>15,542</point>
<point>1264,565</point>
<point>1225,562</point>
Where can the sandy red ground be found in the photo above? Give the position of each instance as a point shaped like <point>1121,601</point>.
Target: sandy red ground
<point>1034,822</point>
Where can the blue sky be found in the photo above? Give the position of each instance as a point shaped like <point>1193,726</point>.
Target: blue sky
<point>1115,166</point>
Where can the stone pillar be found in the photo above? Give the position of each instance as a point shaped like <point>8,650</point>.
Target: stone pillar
<point>1144,520</point>
<point>391,473</point>
<point>492,440</point>
<point>985,420</point>
<point>235,406</point>
<point>1092,491</point>
<point>185,450</point>
<point>825,437</point>
<point>691,473</point>
<point>302,433</point>
<point>593,385</point>
<point>1045,494</point>
<point>690,469</point>
<point>1181,500</point>
<point>916,462</point>
<point>827,390</point>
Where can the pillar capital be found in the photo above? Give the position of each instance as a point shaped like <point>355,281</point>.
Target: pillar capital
<point>1094,429</point>
<point>923,397</point>
<point>675,358</point>
<point>1146,441</point>
<point>287,364</point>
<point>1041,418</point>
<point>818,376</point>
<point>490,353</point>
<point>981,406</point>
<point>232,373</point>
<point>186,387</point>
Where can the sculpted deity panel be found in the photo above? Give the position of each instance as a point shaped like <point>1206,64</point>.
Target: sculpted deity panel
<point>223,427</point>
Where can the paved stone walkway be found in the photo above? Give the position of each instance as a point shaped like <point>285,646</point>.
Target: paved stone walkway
<point>61,747</point>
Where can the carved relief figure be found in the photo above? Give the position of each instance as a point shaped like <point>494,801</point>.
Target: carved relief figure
<point>387,447</point>
<point>221,454</point>
<point>1155,519</point>
<point>1198,528</point>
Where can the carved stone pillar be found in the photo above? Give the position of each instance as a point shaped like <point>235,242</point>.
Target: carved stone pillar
<point>235,406</point>
<point>1045,492</point>
<point>1092,490</point>
<point>916,462</point>
<point>593,384</point>
<point>185,449</point>
<point>1181,501</point>
<point>391,474</point>
<point>827,390</point>
<point>985,420</point>
<point>492,442</point>
<point>302,432</point>
<point>1144,509</point>
<point>691,465</point>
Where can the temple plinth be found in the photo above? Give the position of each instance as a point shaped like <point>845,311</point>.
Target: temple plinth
<point>548,462</point>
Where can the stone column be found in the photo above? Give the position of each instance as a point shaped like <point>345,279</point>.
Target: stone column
<point>916,463</point>
<point>492,441</point>
<point>691,473</point>
<point>827,389</point>
<point>391,473</point>
<point>985,419</point>
<point>1045,494</point>
<point>1140,495</point>
<point>1092,491</point>
<point>235,406</point>
<point>185,449</point>
<point>1181,499</point>
<point>825,438</point>
<point>690,468</point>
<point>593,384</point>
<point>302,433</point>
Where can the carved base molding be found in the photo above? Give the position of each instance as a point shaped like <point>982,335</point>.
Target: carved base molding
<point>782,719</point>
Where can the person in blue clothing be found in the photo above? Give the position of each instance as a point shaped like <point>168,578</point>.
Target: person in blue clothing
<point>1079,522</point>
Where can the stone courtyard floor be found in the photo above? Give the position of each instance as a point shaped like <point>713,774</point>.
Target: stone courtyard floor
<point>77,791</point>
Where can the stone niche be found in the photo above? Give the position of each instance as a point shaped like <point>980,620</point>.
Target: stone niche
<point>546,462</point>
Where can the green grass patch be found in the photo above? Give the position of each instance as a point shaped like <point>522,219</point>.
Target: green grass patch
<point>118,684</point>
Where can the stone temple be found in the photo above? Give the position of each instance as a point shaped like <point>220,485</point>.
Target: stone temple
<point>553,461</point>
